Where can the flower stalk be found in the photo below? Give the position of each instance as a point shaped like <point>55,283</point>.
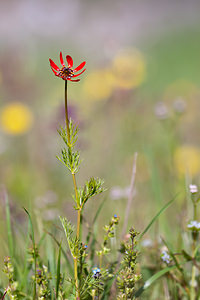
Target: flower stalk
<point>71,159</point>
<point>76,196</point>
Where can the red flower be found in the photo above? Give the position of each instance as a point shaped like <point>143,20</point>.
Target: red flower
<point>67,73</point>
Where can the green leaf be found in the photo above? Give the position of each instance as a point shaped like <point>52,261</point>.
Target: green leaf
<point>196,250</point>
<point>73,131</point>
<point>99,210</point>
<point>33,241</point>
<point>58,272</point>
<point>69,266</point>
<point>92,187</point>
<point>95,219</point>
<point>73,242</point>
<point>24,280</point>
<point>152,279</point>
<point>9,227</point>
<point>42,239</point>
<point>187,256</point>
<point>156,216</point>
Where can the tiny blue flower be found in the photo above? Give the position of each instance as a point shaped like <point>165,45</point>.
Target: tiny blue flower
<point>165,257</point>
<point>115,216</point>
<point>96,270</point>
<point>96,273</point>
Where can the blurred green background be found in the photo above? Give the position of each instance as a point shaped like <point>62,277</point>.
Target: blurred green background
<point>140,93</point>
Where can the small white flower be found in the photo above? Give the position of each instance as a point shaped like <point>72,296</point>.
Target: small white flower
<point>193,283</point>
<point>147,243</point>
<point>117,192</point>
<point>45,268</point>
<point>165,257</point>
<point>194,225</point>
<point>193,188</point>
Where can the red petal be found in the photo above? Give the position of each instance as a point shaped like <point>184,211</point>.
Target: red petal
<point>79,73</point>
<point>61,59</point>
<point>56,73</point>
<point>76,80</point>
<point>80,66</point>
<point>70,61</point>
<point>53,65</point>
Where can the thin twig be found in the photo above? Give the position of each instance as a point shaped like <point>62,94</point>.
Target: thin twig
<point>130,197</point>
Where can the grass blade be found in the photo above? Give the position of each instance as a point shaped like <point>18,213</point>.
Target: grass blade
<point>69,266</point>
<point>157,215</point>
<point>41,241</point>
<point>93,232</point>
<point>33,241</point>
<point>99,210</point>
<point>9,227</point>
<point>58,272</point>
<point>152,279</point>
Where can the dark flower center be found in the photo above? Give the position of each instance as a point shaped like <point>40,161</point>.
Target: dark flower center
<point>66,73</point>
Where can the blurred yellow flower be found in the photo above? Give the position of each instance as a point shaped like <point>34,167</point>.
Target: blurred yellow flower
<point>99,85</point>
<point>126,71</point>
<point>187,160</point>
<point>16,118</point>
<point>129,68</point>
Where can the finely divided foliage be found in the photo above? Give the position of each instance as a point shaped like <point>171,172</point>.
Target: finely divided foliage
<point>95,268</point>
<point>70,157</point>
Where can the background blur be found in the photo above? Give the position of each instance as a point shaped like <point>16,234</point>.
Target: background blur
<point>141,92</point>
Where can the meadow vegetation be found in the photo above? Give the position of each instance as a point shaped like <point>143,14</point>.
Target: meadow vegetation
<point>66,233</point>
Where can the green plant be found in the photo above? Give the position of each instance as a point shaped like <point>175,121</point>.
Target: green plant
<point>86,269</point>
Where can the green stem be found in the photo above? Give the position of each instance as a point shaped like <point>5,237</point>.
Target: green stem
<point>76,195</point>
<point>66,113</point>
<point>100,260</point>
<point>193,293</point>
<point>78,223</point>
<point>195,211</point>
<point>194,237</point>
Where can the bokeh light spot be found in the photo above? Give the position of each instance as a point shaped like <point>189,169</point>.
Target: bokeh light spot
<point>16,118</point>
<point>129,68</point>
<point>187,160</point>
<point>99,85</point>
